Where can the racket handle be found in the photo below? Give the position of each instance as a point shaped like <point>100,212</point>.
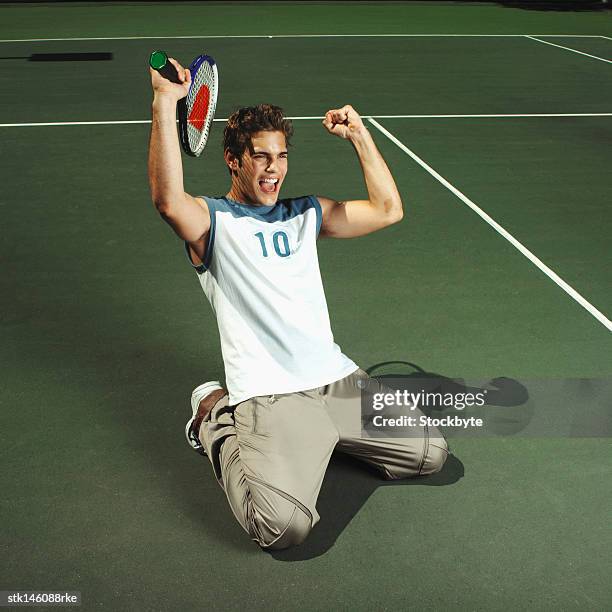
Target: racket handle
<point>159,61</point>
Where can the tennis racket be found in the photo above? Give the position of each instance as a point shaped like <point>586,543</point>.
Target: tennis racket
<point>197,109</point>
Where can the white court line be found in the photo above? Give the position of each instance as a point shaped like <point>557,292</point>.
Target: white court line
<point>499,229</point>
<point>204,36</point>
<point>52,123</point>
<point>144,121</point>
<point>56,123</point>
<point>601,59</point>
<point>485,116</point>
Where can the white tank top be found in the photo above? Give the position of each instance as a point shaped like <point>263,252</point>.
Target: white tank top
<point>261,276</point>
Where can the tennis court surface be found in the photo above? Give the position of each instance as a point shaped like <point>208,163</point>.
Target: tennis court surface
<point>496,123</point>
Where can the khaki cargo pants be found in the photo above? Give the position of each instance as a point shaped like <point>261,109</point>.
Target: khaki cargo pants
<point>270,454</point>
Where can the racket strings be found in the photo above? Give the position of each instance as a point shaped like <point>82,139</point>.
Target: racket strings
<point>200,105</point>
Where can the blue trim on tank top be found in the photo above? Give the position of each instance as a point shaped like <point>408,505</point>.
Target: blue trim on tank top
<point>319,211</point>
<point>210,243</point>
<point>283,210</point>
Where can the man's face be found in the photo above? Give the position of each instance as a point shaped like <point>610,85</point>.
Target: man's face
<point>259,178</point>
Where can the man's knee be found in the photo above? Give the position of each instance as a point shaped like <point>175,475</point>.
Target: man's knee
<point>288,526</point>
<point>294,533</point>
<point>437,452</point>
<point>432,461</point>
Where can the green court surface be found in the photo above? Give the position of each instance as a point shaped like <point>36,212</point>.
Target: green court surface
<point>105,330</point>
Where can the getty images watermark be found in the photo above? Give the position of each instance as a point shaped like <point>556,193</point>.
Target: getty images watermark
<point>405,406</point>
<point>407,402</point>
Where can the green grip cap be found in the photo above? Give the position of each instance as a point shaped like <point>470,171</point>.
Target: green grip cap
<point>158,60</point>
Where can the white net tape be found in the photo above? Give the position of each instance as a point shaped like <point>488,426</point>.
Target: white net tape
<point>205,75</point>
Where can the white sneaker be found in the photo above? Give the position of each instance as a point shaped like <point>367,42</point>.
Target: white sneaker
<point>199,393</point>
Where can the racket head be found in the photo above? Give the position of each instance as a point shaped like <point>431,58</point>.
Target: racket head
<point>197,109</point>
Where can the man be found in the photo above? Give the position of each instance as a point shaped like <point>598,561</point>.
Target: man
<point>293,397</point>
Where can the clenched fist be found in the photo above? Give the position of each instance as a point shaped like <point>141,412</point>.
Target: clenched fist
<point>344,122</point>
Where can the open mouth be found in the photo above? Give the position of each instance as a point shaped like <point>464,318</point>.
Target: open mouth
<point>269,185</point>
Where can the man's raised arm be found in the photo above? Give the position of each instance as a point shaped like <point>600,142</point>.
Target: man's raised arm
<point>188,216</point>
<point>348,219</point>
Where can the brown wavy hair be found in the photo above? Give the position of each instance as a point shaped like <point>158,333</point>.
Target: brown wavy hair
<point>249,120</point>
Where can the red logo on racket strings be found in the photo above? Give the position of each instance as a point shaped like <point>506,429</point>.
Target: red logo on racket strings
<point>197,115</point>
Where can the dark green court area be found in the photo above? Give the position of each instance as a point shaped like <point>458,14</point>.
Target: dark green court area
<point>105,331</point>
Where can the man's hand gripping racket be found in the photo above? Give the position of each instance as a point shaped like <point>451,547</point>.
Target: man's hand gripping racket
<point>195,91</point>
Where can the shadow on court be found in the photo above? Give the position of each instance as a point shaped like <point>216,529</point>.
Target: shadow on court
<point>347,486</point>
<point>349,483</point>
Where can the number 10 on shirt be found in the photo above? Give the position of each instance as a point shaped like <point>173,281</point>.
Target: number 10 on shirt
<point>280,242</point>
